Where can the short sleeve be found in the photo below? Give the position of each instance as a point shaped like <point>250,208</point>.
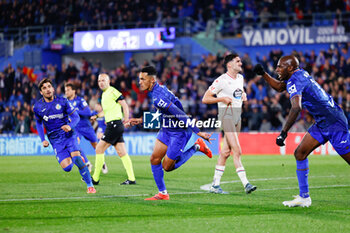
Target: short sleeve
<point>216,86</point>
<point>295,86</point>
<point>83,103</point>
<point>116,94</point>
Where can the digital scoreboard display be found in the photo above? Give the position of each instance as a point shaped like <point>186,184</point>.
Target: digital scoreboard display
<point>123,40</point>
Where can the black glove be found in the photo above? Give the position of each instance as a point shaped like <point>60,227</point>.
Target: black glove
<point>280,139</point>
<point>259,69</point>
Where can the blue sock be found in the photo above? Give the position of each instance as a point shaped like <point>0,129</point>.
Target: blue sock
<point>84,156</point>
<point>84,171</point>
<point>303,174</point>
<point>185,156</point>
<point>158,175</point>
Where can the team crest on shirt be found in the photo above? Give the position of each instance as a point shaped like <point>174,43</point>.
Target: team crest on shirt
<point>237,94</point>
<point>58,106</point>
<point>74,103</point>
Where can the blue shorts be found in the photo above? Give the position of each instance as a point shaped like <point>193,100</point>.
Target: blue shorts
<point>87,132</point>
<point>175,140</point>
<point>65,146</point>
<point>337,134</point>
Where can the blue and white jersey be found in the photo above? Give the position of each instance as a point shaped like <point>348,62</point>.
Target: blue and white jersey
<point>169,105</point>
<point>319,103</point>
<point>83,110</point>
<point>54,115</point>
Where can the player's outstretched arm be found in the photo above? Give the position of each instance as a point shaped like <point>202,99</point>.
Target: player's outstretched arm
<point>125,108</point>
<point>40,128</point>
<point>275,84</point>
<point>209,98</point>
<point>292,116</point>
<point>206,136</point>
<point>135,121</point>
<point>94,117</point>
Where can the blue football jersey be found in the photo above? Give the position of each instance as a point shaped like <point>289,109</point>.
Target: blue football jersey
<point>163,99</point>
<point>82,106</point>
<point>54,115</point>
<point>319,103</point>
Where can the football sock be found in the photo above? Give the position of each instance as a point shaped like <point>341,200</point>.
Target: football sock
<point>164,192</point>
<point>128,167</point>
<point>83,169</point>
<point>219,171</point>
<point>242,175</point>
<point>158,175</point>
<point>185,156</point>
<point>99,161</point>
<point>86,160</point>
<point>302,174</point>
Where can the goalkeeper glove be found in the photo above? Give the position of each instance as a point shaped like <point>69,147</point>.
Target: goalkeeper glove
<point>280,139</point>
<point>259,69</point>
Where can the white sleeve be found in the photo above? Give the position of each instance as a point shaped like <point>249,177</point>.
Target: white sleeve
<point>216,86</point>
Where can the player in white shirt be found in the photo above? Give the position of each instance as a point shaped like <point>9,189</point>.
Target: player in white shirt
<point>229,92</point>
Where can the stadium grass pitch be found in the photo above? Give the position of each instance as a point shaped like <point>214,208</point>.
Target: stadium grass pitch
<point>37,196</point>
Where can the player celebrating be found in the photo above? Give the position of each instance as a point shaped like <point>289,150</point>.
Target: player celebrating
<point>55,112</point>
<point>113,103</point>
<point>331,123</point>
<point>170,141</point>
<point>84,127</point>
<point>229,92</point>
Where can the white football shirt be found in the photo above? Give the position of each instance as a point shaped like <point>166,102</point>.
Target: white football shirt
<point>227,86</point>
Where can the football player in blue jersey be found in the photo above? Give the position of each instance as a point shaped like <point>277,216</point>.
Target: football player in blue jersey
<point>168,151</point>
<point>330,121</point>
<point>84,127</point>
<point>59,118</point>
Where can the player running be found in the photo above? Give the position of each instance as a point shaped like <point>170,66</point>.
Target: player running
<point>229,92</point>
<point>59,118</point>
<point>84,127</point>
<point>170,141</point>
<point>331,123</point>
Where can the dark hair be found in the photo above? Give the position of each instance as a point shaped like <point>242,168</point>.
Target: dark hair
<point>150,70</point>
<point>42,82</point>
<point>229,58</point>
<point>71,85</point>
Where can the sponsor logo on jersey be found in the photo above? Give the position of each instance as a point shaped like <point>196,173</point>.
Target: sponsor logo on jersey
<point>51,117</point>
<point>161,103</point>
<point>292,89</point>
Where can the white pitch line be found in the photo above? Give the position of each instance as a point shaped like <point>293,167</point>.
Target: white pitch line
<point>180,193</point>
<point>206,187</point>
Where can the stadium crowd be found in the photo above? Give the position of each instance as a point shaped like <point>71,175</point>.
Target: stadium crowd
<point>232,14</point>
<point>264,111</point>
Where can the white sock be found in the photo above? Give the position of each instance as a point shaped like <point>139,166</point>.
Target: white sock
<point>241,174</point>
<point>219,171</point>
<point>196,146</point>
<point>164,192</point>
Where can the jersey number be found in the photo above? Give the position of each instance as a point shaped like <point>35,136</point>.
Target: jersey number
<point>331,102</point>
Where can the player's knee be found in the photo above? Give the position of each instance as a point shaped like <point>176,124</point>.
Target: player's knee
<point>225,153</point>
<point>68,168</point>
<point>155,161</point>
<point>237,153</point>
<point>299,155</point>
<point>168,168</point>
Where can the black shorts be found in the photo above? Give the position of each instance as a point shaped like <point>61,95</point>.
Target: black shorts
<point>114,132</point>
